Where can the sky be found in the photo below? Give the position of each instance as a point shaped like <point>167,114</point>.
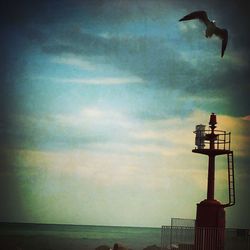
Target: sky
<point>99,101</point>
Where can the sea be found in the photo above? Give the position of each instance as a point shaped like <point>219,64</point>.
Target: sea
<point>29,236</point>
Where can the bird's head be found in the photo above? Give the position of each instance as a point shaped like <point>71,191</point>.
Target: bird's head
<point>213,21</point>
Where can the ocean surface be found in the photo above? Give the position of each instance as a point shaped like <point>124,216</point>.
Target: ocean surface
<point>28,236</point>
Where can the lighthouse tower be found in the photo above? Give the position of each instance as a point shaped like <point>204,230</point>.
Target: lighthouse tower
<point>210,214</point>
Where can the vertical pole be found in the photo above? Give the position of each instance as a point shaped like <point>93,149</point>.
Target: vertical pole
<point>211,159</point>
<point>210,181</point>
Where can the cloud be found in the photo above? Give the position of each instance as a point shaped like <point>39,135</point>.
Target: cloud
<point>143,44</point>
<point>156,61</point>
<point>240,140</point>
<point>75,62</point>
<point>63,131</point>
<point>144,57</point>
<point>99,166</point>
<point>155,160</point>
<point>84,144</point>
<point>177,132</point>
<point>100,80</point>
<point>94,125</point>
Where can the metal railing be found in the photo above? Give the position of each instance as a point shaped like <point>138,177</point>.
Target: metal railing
<point>191,238</point>
<point>222,141</point>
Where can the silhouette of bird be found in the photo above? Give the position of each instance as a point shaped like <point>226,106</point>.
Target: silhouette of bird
<point>211,30</point>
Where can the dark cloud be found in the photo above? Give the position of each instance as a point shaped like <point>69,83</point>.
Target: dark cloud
<point>161,66</point>
<point>143,56</point>
<point>54,26</point>
<point>150,58</point>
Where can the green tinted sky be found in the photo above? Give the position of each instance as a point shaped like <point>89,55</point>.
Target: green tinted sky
<point>99,101</point>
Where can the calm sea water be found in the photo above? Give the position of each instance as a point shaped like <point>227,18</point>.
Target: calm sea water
<point>89,237</point>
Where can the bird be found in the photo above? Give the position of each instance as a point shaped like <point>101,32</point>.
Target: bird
<point>211,30</point>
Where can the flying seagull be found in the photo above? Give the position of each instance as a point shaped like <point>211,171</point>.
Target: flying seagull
<point>212,29</point>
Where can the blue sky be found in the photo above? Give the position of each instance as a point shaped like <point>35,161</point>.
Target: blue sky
<point>99,101</point>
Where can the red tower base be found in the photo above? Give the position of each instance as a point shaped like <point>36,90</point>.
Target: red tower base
<point>210,226</point>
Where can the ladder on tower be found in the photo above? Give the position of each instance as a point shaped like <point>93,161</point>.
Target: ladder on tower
<point>231,185</point>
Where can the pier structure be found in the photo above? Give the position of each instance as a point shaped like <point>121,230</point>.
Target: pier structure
<point>210,213</point>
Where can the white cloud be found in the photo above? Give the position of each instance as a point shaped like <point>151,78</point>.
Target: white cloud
<point>163,137</point>
<point>145,152</point>
<point>95,117</point>
<point>74,61</point>
<point>157,163</point>
<point>100,80</point>
<point>103,168</point>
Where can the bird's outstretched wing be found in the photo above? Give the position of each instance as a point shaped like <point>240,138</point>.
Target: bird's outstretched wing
<point>201,15</point>
<point>223,35</point>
